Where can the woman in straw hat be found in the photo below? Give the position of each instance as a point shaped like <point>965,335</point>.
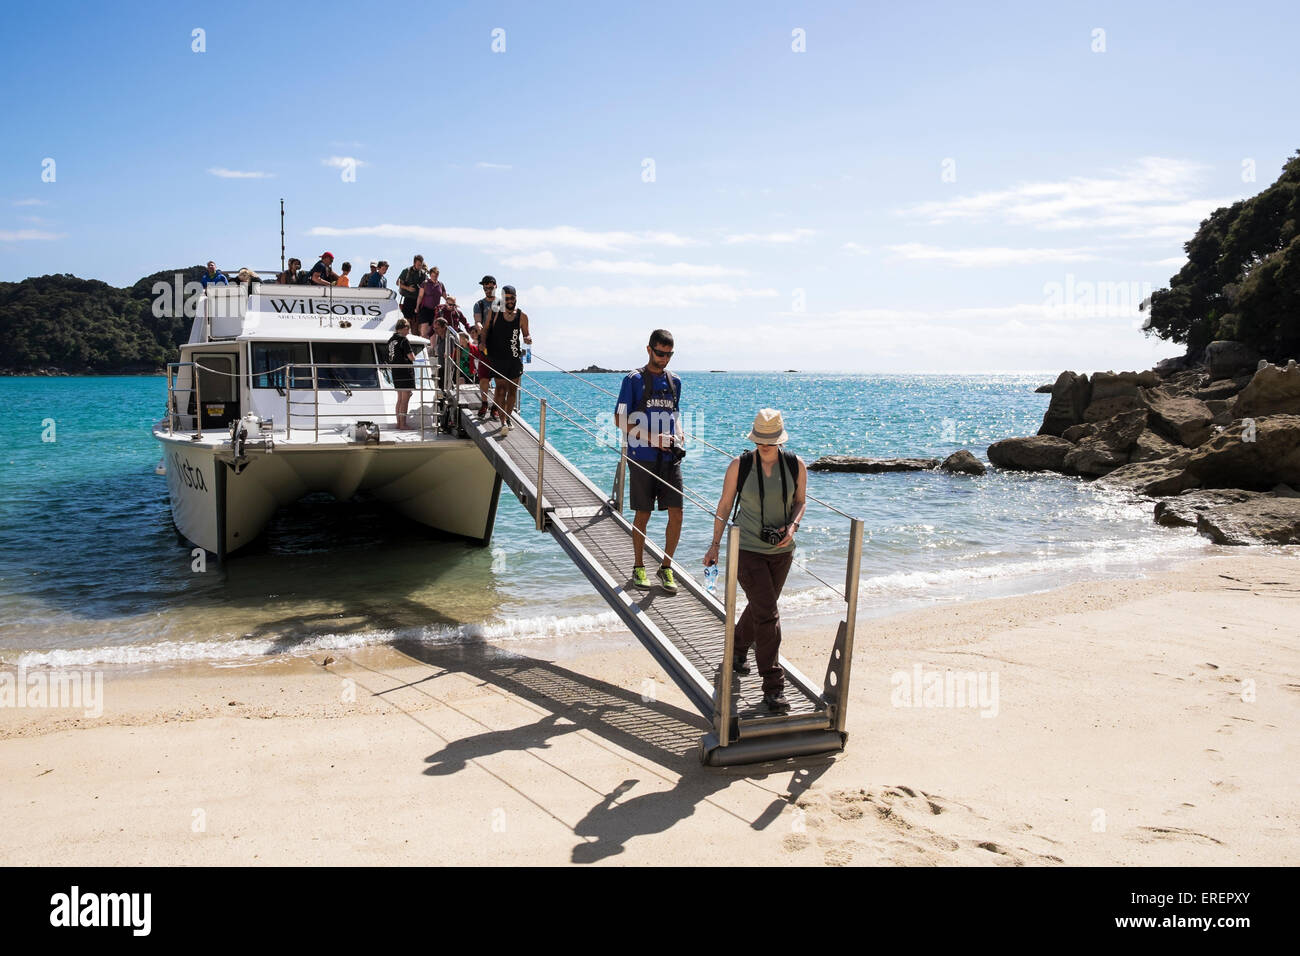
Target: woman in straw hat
<point>768,487</point>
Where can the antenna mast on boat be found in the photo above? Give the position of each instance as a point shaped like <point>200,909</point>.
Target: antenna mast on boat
<point>282,267</point>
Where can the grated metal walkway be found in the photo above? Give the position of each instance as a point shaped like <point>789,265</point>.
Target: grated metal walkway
<point>686,631</point>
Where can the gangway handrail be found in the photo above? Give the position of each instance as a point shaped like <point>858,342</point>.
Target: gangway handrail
<point>732,740</point>
<point>689,435</point>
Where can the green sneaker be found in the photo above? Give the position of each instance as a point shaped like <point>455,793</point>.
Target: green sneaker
<point>639,578</point>
<point>665,576</point>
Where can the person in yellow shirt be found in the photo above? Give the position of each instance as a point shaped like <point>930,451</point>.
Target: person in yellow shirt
<point>343,279</point>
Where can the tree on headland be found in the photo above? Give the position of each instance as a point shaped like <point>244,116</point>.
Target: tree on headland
<point>1242,277</point>
<point>70,324</point>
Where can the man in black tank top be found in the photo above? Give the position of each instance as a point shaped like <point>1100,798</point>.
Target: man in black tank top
<point>505,338</point>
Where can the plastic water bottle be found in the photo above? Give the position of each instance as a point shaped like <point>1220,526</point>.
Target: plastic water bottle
<point>528,353</point>
<point>711,577</point>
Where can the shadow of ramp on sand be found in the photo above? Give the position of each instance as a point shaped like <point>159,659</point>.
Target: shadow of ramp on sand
<point>658,732</point>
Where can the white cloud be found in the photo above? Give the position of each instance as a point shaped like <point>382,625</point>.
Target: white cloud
<point>27,235</point>
<point>343,162</point>
<point>536,260</point>
<point>989,256</point>
<point>1152,199</point>
<point>654,296</point>
<point>629,267</point>
<point>794,235</point>
<point>855,247</point>
<point>504,240</point>
<point>224,173</point>
<point>494,166</point>
<point>29,202</point>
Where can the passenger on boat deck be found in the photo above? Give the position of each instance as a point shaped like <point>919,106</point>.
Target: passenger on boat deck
<point>322,273</point>
<point>343,280</point>
<point>484,373</point>
<point>402,357</point>
<point>291,275</point>
<point>375,279</point>
<point>467,362</point>
<point>505,352</point>
<point>452,315</point>
<point>247,275</point>
<point>431,293</point>
<point>486,305</point>
<point>408,284</point>
<point>214,276</point>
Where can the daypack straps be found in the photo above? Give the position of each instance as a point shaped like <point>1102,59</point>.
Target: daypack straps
<point>785,459</point>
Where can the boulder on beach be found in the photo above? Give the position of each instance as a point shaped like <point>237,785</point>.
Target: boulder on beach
<point>1151,447</point>
<point>1168,476</point>
<point>1272,390</point>
<point>1183,511</point>
<point>1262,520</point>
<point>963,462</point>
<point>1114,393</point>
<point>1070,396</point>
<point>1107,444</point>
<point>1182,419</point>
<point>1226,359</point>
<point>872,466</point>
<point>1033,453</point>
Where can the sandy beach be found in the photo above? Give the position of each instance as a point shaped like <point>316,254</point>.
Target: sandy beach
<point>1147,721</point>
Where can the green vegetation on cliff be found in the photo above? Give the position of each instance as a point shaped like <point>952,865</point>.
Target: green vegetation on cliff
<point>1242,278</point>
<point>78,325</point>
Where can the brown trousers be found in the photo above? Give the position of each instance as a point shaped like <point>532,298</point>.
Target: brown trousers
<point>762,576</point>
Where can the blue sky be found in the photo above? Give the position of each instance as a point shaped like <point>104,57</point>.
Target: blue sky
<point>926,187</point>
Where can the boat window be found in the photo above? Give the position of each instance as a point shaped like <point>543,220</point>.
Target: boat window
<point>355,361</point>
<point>270,359</point>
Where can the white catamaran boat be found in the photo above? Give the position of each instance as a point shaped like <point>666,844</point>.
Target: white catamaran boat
<point>282,390</point>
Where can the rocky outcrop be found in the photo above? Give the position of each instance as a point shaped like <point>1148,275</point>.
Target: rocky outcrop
<point>1155,479</point>
<point>872,466</point>
<point>1255,455</point>
<point>1071,394</point>
<point>1272,390</point>
<point>1035,453</point>
<point>1180,419</point>
<point>1186,509</point>
<point>1114,393</point>
<point>1151,447</point>
<point>1263,520</point>
<point>1228,359</point>
<point>963,462</point>
<point>1107,444</point>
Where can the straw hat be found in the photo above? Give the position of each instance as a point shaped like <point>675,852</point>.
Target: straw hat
<point>769,428</point>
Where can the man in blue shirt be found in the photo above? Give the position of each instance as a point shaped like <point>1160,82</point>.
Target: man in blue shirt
<point>648,415</point>
<point>213,276</point>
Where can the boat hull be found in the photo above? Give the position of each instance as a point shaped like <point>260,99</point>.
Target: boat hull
<point>446,485</point>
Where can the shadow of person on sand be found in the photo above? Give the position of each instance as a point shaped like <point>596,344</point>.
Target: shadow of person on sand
<point>454,757</point>
<point>613,824</point>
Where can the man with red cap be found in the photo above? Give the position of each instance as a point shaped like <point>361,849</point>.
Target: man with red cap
<point>322,273</point>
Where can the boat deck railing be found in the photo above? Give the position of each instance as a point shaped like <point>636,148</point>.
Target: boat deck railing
<point>303,409</point>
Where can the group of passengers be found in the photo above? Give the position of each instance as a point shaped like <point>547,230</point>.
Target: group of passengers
<point>491,350</point>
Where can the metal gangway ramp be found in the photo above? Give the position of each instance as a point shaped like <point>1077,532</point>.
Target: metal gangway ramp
<point>689,633</point>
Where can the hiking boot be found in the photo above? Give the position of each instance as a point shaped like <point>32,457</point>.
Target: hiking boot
<point>666,579</point>
<point>639,578</point>
<point>740,666</point>
<point>776,702</point>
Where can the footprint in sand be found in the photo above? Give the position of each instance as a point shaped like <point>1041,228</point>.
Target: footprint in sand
<point>1152,834</point>
<point>902,825</point>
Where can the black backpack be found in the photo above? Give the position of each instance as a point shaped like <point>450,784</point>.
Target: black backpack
<point>786,459</point>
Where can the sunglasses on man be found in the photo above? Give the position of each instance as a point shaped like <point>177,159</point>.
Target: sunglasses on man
<point>661,353</point>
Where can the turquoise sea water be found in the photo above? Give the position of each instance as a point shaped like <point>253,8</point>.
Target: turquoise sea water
<point>92,571</point>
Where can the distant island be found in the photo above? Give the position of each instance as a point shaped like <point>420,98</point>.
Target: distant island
<point>597,370</point>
